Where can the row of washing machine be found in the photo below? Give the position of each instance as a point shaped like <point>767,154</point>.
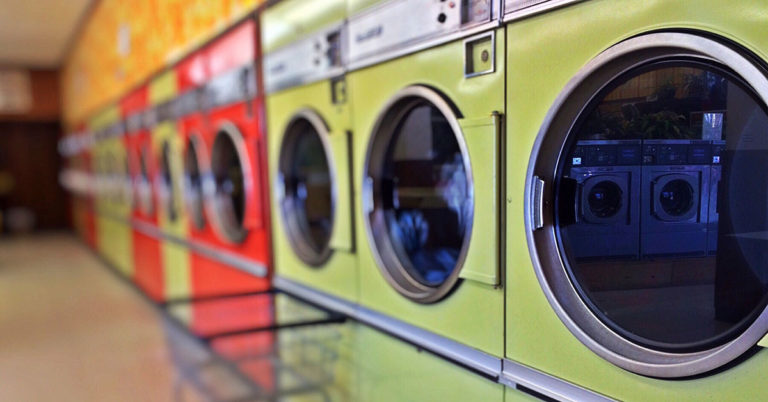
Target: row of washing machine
<point>643,198</point>
<point>447,172</point>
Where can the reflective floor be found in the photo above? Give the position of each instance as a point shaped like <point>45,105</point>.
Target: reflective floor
<point>70,330</point>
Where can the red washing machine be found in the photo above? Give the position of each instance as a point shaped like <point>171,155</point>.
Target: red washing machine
<point>147,254</point>
<point>233,254</point>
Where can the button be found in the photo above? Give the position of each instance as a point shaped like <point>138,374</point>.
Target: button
<point>441,18</point>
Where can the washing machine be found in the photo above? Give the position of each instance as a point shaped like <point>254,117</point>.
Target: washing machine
<point>77,148</point>
<point>113,206</point>
<point>173,280</point>
<point>675,197</point>
<point>191,75</point>
<point>230,155</point>
<point>147,270</point>
<point>427,90</point>
<point>604,180</point>
<point>667,326</point>
<point>308,135</point>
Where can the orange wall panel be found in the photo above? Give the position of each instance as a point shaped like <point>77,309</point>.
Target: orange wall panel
<point>97,70</point>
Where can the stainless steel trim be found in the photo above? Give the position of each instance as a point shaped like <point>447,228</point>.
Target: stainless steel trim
<point>515,374</point>
<point>296,238</point>
<point>512,13</point>
<point>189,102</point>
<point>306,60</point>
<point>370,24</point>
<point>233,260</point>
<point>474,359</point>
<point>315,296</point>
<point>233,86</point>
<point>542,244</point>
<point>133,123</point>
<point>382,248</point>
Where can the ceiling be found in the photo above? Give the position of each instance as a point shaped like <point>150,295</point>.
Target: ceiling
<point>37,33</point>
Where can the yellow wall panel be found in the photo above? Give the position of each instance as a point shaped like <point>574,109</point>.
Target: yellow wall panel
<point>154,33</point>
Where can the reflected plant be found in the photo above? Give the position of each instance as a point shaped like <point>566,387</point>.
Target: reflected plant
<point>665,124</point>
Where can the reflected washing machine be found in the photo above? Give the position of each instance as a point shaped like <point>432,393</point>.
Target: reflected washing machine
<point>428,94</point>
<point>148,268</point>
<point>308,117</point>
<point>605,178</point>
<point>675,199</point>
<point>649,328</point>
<point>113,206</point>
<point>167,182</point>
<point>231,154</point>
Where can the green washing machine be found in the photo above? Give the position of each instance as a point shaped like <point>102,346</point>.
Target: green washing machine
<point>426,85</point>
<point>309,149</point>
<point>675,93</point>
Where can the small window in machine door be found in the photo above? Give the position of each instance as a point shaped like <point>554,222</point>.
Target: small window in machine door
<point>228,200</point>
<point>420,197</point>
<point>306,180</point>
<point>143,185</point>
<point>167,182</point>
<point>683,268</point>
<point>193,183</point>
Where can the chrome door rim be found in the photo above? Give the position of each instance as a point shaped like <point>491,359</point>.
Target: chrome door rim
<point>195,203</point>
<point>389,264</point>
<point>213,199</point>
<point>294,234</point>
<point>543,246</point>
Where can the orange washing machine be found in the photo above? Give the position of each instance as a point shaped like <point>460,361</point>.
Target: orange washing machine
<point>148,269</point>
<point>231,169</point>
<point>210,82</point>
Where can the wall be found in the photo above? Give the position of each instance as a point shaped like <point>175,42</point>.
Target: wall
<point>45,106</point>
<point>123,42</point>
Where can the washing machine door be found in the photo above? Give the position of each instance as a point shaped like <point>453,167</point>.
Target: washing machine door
<point>167,182</point>
<point>675,197</point>
<point>313,188</point>
<point>419,195</point>
<point>144,184</point>
<point>231,186</point>
<point>604,199</point>
<point>194,157</point>
<point>642,314</point>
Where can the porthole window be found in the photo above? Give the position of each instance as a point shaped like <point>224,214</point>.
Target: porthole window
<point>167,182</point>
<point>143,185</point>
<point>308,192</point>
<point>653,247</point>
<point>193,183</point>
<point>228,164</point>
<point>419,195</point>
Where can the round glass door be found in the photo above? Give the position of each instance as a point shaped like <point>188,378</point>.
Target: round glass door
<point>143,185</point>
<point>604,200</point>
<point>676,198</point>
<point>228,201</point>
<point>419,195</point>
<point>689,289</point>
<point>308,192</point>
<point>167,182</point>
<point>193,183</point>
